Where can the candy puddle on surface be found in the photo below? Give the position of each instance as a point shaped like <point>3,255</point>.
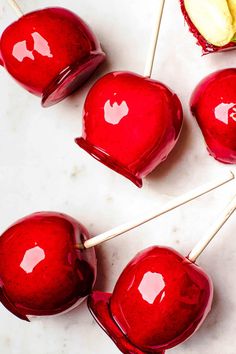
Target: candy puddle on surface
<point>213,104</point>
<point>212,22</point>
<point>41,271</point>
<point>50,52</point>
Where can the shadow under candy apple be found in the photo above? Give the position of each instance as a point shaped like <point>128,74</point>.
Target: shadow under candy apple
<point>174,159</point>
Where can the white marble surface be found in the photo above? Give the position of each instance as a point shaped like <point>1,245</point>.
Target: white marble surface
<point>41,168</point>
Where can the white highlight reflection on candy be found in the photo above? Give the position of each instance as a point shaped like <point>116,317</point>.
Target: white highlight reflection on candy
<point>222,112</point>
<point>151,286</point>
<point>20,51</point>
<point>113,113</point>
<point>32,258</point>
<point>40,45</point>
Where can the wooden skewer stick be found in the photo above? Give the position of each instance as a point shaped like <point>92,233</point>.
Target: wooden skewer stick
<point>16,7</point>
<point>152,51</point>
<point>204,242</point>
<point>175,203</point>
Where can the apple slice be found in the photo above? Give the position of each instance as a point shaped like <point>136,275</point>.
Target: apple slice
<point>232,8</point>
<point>214,19</point>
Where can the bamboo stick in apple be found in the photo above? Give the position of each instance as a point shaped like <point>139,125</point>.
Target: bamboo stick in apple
<point>175,203</point>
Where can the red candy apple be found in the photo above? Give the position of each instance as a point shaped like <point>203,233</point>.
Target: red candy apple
<point>160,299</point>
<point>50,52</point>
<point>213,103</point>
<point>41,271</point>
<point>131,123</point>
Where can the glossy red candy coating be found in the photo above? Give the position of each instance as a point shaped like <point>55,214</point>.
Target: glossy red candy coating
<point>160,299</point>
<point>99,306</point>
<point>41,272</point>
<point>131,123</point>
<point>213,103</point>
<point>207,47</point>
<point>51,52</point>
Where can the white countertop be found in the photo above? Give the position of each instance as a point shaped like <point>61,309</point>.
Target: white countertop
<point>41,168</point>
